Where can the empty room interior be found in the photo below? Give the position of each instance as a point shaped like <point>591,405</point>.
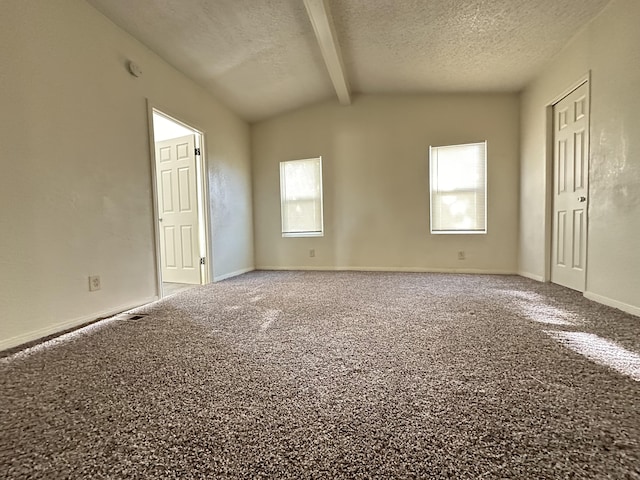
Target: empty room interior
<point>320,239</point>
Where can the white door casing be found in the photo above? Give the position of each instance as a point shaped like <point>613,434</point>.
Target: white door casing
<point>178,210</point>
<point>570,189</point>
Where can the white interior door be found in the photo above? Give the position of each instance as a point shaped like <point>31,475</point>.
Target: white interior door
<point>570,189</point>
<point>178,210</point>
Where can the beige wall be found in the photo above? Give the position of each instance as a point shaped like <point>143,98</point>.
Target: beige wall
<point>609,47</point>
<point>75,186</point>
<point>375,161</point>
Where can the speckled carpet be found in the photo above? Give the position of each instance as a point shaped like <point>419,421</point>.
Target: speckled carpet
<point>333,375</point>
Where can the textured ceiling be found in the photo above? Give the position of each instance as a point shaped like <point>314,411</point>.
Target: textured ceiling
<point>261,57</point>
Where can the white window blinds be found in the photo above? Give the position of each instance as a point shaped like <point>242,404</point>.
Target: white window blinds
<point>301,197</point>
<point>458,180</point>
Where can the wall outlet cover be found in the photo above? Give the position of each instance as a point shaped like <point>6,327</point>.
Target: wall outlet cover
<point>94,283</point>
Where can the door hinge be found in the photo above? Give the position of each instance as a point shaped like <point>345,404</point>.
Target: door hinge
<point>197,150</point>
<point>202,261</point>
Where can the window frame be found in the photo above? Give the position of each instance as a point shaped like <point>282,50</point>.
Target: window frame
<point>432,192</point>
<point>320,199</point>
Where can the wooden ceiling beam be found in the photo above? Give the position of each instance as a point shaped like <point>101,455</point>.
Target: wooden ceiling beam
<point>320,17</point>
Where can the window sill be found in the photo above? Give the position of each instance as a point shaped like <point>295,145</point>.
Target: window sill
<point>459,232</point>
<point>302,234</point>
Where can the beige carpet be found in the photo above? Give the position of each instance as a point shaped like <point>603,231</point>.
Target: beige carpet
<point>333,375</point>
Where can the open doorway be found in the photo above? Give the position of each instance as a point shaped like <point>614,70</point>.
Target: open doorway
<point>180,204</point>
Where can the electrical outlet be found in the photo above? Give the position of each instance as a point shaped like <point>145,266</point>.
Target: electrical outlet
<point>94,283</point>
<point>461,255</point>
<point>312,252</point>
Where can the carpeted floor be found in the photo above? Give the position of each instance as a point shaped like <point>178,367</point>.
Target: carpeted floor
<point>334,375</point>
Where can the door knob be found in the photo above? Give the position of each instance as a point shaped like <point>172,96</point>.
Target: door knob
<point>582,199</point>
<point>160,219</point>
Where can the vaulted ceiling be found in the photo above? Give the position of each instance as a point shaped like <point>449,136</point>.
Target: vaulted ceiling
<point>263,57</point>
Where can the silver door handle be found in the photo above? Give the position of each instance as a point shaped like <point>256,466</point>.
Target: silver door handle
<point>160,219</point>
<point>582,199</point>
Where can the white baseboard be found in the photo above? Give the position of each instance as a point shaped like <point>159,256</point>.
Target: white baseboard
<point>61,327</point>
<point>532,276</point>
<point>388,269</point>
<point>610,302</point>
<point>232,274</point>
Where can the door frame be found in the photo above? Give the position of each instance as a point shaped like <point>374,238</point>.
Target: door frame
<point>203,196</point>
<point>549,196</point>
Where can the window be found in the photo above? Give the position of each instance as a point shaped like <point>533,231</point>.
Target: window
<point>301,197</point>
<point>458,178</point>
